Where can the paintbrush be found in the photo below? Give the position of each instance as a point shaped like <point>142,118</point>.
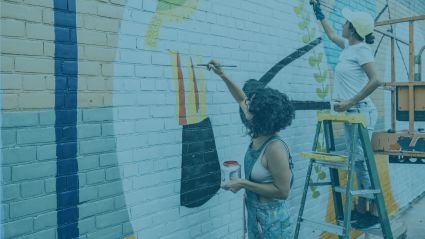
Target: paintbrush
<point>218,65</point>
<point>322,4</point>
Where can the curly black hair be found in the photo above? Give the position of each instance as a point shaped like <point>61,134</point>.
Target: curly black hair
<point>272,110</point>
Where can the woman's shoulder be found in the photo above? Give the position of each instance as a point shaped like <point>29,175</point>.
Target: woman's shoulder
<point>277,147</point>
<point>361,46</point>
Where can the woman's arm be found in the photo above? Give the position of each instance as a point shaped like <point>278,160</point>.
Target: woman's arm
<point>236,92</point>
<point>278,164</point>
<point>328,29</point>
<point>371,86</point>
<point>332,35</point>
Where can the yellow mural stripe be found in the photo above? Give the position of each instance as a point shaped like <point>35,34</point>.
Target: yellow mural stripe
<point>173,60</point>
<point>130,237</point>
<point>202,96</point>
<point>152,33</point>
<point>383,172</point>
<point>192,116</point>
<point>390,204</point>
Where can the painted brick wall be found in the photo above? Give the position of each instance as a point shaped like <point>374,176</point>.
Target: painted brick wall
<point>91,142</point>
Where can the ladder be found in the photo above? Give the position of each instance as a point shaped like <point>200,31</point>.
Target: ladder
<point>340,162</point>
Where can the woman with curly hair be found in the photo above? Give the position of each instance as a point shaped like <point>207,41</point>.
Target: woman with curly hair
<point>267,163</point>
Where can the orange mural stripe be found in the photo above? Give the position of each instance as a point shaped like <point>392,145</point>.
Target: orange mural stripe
<point>195,85</point>
<point>182,103</point>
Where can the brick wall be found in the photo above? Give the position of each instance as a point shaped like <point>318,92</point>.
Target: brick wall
<point>95,68</point>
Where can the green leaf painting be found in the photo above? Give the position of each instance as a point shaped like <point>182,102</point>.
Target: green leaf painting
<point>299,8</point>
<point>322,93</point>
<point>312,61</point>
<point>320,77</point>
<point>316,194</point>
<point>303,25</point>
<point>322,175</point>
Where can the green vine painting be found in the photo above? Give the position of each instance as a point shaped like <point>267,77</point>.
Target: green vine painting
<point>320,76</point>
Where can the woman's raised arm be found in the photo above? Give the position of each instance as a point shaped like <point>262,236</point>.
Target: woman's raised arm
<point>234,89</point>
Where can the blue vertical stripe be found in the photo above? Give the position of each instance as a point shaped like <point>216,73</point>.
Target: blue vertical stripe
<point>66,86</point>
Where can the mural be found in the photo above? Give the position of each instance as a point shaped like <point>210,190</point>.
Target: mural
<point>200,163</point>
<point>200,167</point>
<point>201,177</point>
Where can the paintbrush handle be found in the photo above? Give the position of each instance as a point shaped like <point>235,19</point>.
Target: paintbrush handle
<point>218,65</point>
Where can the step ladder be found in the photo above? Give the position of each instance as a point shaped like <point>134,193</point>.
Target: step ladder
<point>340,162</point>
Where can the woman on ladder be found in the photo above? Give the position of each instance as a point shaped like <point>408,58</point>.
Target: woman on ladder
<point>267,163</point>
<point>355,80</point>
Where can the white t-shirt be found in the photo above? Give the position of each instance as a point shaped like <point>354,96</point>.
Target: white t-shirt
<point>350,78</point>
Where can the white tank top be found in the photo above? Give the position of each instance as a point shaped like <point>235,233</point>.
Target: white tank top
<point>259,173</point>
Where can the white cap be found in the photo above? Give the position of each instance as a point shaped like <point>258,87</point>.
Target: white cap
<point>363,22</point>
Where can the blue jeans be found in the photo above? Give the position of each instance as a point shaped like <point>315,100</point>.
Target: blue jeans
<point>368,111</point>
<point>268,220</point>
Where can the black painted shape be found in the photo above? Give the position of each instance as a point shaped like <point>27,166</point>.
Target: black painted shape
<point>311,105</point>
<point>404,143</point>
<point>66,86</point>
<point>252,85</point>
<point>405,160</point>
<point>266,78</point>
<point>201,175</point>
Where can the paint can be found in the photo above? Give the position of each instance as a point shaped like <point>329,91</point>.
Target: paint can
<point>230,169</point>
<point>333,103</point>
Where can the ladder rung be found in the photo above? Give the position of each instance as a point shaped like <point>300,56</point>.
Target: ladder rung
<point>332,228</point>
<point>320,184</point>
<point>330,164</point>
<point>324,156</point>
<point>374,230</point>
<point>365,193</point>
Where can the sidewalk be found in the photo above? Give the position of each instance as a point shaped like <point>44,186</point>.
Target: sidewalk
<point>410,224</point>
<point>414,220</point>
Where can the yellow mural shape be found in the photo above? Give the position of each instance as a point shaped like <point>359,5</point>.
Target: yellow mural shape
<point>173,57</point>
<point>131,237</point>
<point>192,95</point>
<point>390,204</point>
<point>202,96</point>
<point>196,99</point>
<point>168,11</point>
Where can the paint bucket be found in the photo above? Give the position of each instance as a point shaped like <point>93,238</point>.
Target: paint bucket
<point>230,170</point>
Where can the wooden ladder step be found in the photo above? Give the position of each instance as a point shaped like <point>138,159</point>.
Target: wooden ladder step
<point>324,156</point>
<point>365,193</point>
